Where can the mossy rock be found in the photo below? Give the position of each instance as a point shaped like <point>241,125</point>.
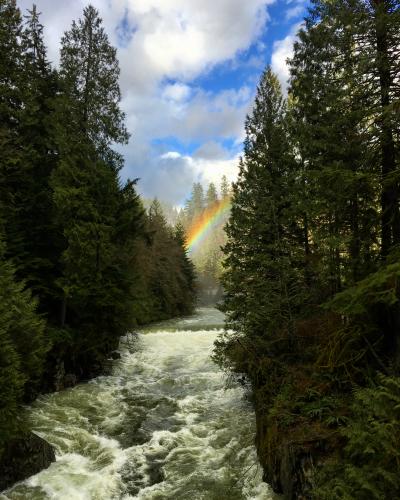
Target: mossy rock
<point>23,457</point>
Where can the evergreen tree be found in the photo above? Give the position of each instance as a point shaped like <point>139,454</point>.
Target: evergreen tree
<point>187,274</point>
<point>90,73</point>
<point>225,188</point>
<point>11,68</point>
<point>328,131</point>
<point>27,200</point>
<point>195,204</point>
<point>100,219</point>
<point>22,348</point>
<point>11,103</point>
<point>344,75</point>
<point>208,256</point>
<point>35,198</point>
<point>166,283</point>
<point>211,195</point>
<point>198,198</point>
<point>260,250</point>
<point>86,188</point>
<point>361,62</point>
<point>383,22</point>
<point>173,291</point>
<point>11,388</point>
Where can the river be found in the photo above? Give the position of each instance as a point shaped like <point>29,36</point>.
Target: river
<point>163,425</point>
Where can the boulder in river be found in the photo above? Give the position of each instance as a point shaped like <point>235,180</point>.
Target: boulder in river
<point>23,457</point>
<point>114,355</point>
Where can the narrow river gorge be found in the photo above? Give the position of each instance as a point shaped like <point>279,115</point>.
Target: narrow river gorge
<point>163,425</point>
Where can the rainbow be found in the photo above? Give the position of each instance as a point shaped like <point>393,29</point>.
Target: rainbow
<point>204,224</point>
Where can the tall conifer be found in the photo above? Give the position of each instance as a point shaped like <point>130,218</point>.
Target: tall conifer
<point>259,280</point>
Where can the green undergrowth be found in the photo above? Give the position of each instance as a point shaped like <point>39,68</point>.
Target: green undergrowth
<point>368,466</point>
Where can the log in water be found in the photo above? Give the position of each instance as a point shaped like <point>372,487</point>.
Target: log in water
<point>162,426</point>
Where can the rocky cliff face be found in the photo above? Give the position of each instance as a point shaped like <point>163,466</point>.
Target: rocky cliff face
<point>24,457</point>
<point>290,464</point>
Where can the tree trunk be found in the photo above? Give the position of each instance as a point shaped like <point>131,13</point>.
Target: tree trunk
<point>390,190</point>
<point>355,245</point>
<point>390,221</point>
<point>88,77</point>
<point>307,251</point>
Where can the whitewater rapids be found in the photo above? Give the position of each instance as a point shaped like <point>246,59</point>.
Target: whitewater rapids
<point>163,425</point>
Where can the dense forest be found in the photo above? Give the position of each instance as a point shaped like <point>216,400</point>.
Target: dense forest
<point>81,260</point>
<point>312,269</point>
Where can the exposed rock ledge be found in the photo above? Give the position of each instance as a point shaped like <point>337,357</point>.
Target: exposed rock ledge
<point>290,466</point>
<point>24,457</point>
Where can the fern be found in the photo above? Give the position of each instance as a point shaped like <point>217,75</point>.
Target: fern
<point>369,468</point>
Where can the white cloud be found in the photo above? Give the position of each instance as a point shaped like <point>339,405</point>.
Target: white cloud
<point>170,38</point>
<point>211,170</point>
<point>294,12</point>
<point>181,38</point>
<point>176,173</point>
<point>207,169</point>
<point>163,45</point>
<point>282,51</point>
<point>177,92</point>
<point>203,117</point>
<point>171,155</point>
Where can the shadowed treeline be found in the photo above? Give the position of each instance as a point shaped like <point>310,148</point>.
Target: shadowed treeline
<point>81,262</point>
<point>312,268</point>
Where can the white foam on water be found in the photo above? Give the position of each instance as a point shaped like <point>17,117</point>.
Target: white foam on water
<point>162,426</point>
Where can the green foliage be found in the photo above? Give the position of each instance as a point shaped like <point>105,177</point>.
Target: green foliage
<point>369,312</point>
<point>378,288</point>
<point>368,465</point>
<point>90,73</point>
<point>196,204</point>
<point>161,293</point>
<point>263,239</point>
<point>22,348</point>
<point>225,188</point>
<point>311,272</point>
<point>28,156</point>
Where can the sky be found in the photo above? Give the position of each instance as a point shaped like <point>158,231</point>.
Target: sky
<point>189,71</point>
